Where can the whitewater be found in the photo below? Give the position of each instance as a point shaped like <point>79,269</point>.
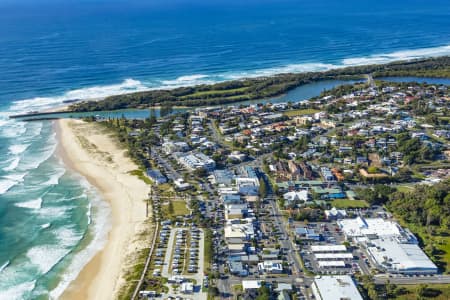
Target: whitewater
<point>70,227</point>
<point>52,221</point>
<point>130,85</point>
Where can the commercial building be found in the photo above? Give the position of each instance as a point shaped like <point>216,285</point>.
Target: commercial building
<point>334,256</point>
<point>294,196</point>
<point>331,256</point>
<point>270,267</point>
<point>331,264</point>
<point>156,176</point>
<point>235,211</point>
<point>335,287</point>
<point>335,214</point>
<point>305,233</point>
<point>251,284</point>
<point>391,247</point>
<point>237,268</point>
<point>195,161</point>
<point>328,248</point>
<point>171,147</point>
<point>239,233</point>
<point>224,177</point>
<point>397,257</point>
<point>181,185</point>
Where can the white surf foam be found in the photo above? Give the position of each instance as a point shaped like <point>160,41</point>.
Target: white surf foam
<point>14,162</point>
<point>54,178</point>
<point>398,55</point>
<point>8,181</point>
<point>55,212</point>
<point>46,225</point>
<point>187,80</point>
<point>3,122</point>
<point>32,204</point>
<point>18,149</point>
<point>132,85</point>
<point>197,79</point>
<point>4,266</point>
<point>192,77</point>
<point>44,257</point>
<point>99,228</point>
<point>34,161</point>
<point>94,92</point>
<point>89,213</point>
<point>13,129</point>
<point>33,129</point>
<point>17,291</point>
<point>67,236</point>
<point>291,68</point>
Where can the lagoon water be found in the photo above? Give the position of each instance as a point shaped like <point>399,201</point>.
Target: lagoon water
<point>52,220</point>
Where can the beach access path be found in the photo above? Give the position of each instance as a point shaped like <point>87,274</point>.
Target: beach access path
<point>88,149</point>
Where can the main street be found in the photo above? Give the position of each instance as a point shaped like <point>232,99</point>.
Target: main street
<point>286,242</point>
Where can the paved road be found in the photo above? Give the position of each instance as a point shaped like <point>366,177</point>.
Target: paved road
<point>216,135</point>
<point>286,242</point>
<point>165,270</point>
<point>442,279</point>
<point>169,170</point>
<point>370,81</point>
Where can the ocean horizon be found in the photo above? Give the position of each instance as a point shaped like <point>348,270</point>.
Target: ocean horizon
<point>52,221</point>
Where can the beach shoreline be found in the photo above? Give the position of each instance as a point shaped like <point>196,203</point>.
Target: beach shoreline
<point>89,151</point>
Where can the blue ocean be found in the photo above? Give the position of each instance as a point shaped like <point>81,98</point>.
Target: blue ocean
<point>52,220</point>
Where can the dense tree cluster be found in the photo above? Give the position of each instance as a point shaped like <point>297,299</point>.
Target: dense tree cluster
<point>424,205</point>
<point>414,149</point>
<point>137,135</point>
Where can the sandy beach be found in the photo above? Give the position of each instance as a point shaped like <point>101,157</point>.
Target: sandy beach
<point>87,149</point>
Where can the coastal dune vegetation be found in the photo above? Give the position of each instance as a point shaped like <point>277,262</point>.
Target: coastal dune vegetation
<point>261,87</point>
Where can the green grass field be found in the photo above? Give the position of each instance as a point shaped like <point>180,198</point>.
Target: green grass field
<point>404,188</point>
<point>347,203</point>
<point>180,208</point>
<point>433,291</point>
<point>215,93</point>
<point>141,175</point>
<point>300,112</point>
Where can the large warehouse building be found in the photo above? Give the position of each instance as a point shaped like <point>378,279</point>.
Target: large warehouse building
<point>390,246</point>
<point>335,287</point>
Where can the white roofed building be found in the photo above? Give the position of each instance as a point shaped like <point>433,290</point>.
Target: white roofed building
<point>251,284</point>
<point>331,264</point>
<point>335,214</point>
<point>392,248</point>
<point>334,256</point>
<point>270,267</point>
<point>239,232</point>
<point>300,196</point>
<point>335,288</point>
<point>328,248</point>
<point>402,258</point>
